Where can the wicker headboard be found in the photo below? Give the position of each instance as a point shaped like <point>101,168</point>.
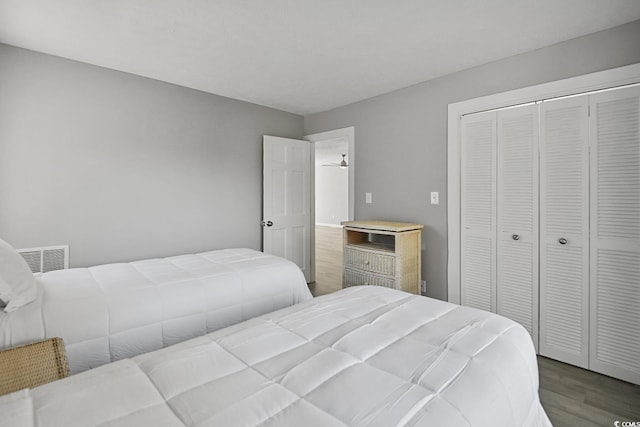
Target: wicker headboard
<point>32,365</point>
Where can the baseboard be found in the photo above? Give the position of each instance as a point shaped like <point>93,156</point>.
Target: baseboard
<point>328,225</point>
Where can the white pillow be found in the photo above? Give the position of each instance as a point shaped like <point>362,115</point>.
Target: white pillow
<point>5,292</point>
<point>17,284</point>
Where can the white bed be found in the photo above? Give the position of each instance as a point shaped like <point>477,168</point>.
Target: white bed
<point>114,311</point>
<point>361,356</point>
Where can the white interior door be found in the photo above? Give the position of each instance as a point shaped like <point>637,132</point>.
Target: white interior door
<point>517,217</point>
<point>477,214</point>
<point>286,214</point>
<point>564,230</point>
<point>615,234</point>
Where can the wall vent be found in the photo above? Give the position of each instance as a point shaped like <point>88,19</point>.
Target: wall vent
<point>45,259</point>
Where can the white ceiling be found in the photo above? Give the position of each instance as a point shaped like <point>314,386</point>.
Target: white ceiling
<point>302,56</point>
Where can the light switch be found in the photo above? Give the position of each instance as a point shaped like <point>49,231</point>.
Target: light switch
<point>434,198</point>
<point>367,198</point>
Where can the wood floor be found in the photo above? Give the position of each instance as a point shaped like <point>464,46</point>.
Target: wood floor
<point>571,396</point>
<point>576,397</point>
<point>329,260</point>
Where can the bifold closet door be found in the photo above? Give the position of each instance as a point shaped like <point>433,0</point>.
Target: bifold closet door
<point>477,215</point>
<point>615,233</point>
<point>517,216</point>
<point>564,230</point>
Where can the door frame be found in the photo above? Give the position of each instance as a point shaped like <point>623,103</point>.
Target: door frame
<point>621,76</point>
<point>349,134</point>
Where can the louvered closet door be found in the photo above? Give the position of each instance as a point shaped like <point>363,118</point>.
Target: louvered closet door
<point>615,234</point>
<point>564,230</point>
<point>477,199</point>
<point>517,217</point>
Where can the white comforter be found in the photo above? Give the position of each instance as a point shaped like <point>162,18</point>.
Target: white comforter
<point>114,311</point>
<point>362,356</point>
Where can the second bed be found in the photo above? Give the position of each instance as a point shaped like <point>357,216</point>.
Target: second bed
<point>115,311</point>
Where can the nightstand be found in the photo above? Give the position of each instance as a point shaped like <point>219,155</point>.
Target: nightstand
<point>382,253</point>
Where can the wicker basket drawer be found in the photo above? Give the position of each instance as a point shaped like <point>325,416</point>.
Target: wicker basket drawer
<point>356,277</point>
<point>370,261</point>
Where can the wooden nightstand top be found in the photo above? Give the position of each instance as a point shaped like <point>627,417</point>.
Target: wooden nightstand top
<point>383,225</point>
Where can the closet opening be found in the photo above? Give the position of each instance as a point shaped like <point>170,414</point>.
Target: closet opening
<point>544,215</point>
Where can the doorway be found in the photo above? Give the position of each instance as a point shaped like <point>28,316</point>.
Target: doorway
<point>333,202</point>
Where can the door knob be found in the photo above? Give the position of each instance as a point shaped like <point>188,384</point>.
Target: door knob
<point>515,237</point>
<point>562,241</point>
<point>267,223</point>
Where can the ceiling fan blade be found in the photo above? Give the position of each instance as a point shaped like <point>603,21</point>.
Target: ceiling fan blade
<point>343,164</point>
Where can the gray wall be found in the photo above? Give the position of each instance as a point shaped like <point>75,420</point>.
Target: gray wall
<point>122,167</point>
<point>401,137</point>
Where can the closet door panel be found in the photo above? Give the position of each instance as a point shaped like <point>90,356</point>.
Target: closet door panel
<point>615,234</point>
<point>478,194</point>
<point>564,230</point>
<point>517,216</point>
